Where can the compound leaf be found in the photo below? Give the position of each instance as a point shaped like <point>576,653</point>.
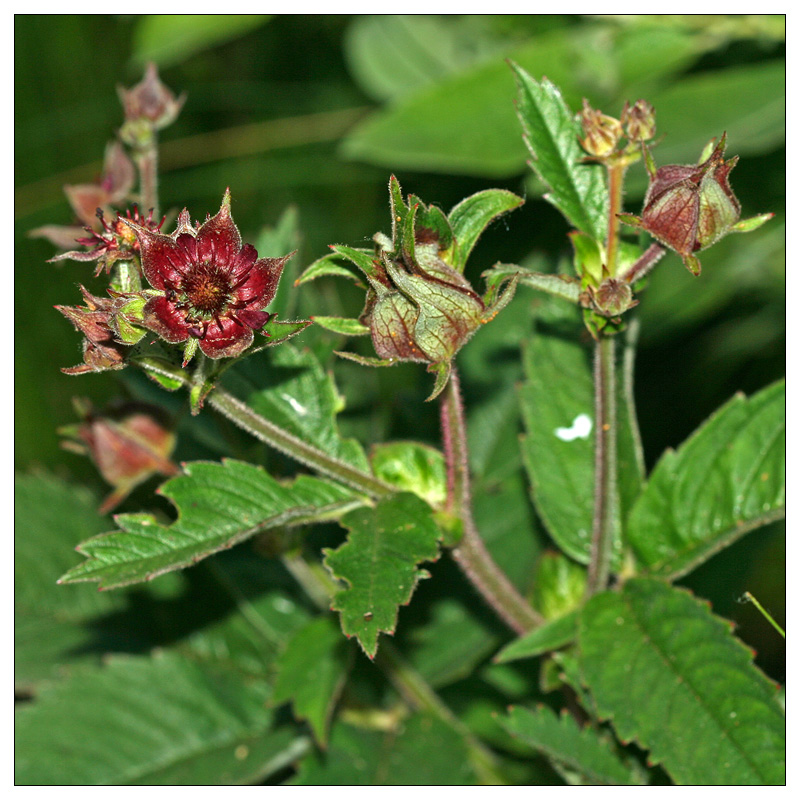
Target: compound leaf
<point>582,750</point>
<point>161,720</point>
<point>219,505</point>
<point>678,682</point>
<point>725,480</point>
<point>378,562</point>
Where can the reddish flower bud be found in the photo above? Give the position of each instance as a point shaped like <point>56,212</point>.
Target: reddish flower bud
<point>601,132</point>
<point>128,443</point>
<point>101,348</point>
<point>210,288</point>
<point>689,207</point>
<point>150,101</point>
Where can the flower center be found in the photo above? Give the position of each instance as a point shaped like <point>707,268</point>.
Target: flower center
<point>207,290</point>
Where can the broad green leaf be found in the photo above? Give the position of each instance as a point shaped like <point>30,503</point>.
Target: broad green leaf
<point>557,400</point>
<point>679,683</point>
<point>582,750</point>
<point>151,721</point>
<point>423,752</point>
<point>173,38</point>
<point>576,189</point>
<point>748,102</point>
<point>411,467</point>
<point>558,412</point>
<point>725,480</point>
<point>299,396</point>
<point>311,673</point>
<point>393,54</point>
<point>465,122</point>
<point>553,634</point>
<point>470,218</point>
<point>219,505</point>
<point>50,630</point>
<point>378,562</point>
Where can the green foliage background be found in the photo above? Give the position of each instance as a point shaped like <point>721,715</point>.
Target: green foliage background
<point>317,111</point>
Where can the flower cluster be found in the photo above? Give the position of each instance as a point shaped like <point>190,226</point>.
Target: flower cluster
<point>210,289</point>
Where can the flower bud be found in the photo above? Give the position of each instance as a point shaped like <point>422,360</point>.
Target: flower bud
<point>689,207</point>
<point>639,121</point>
<point>128,443</point>
<point>601,132</point>
<point>613,297</point>
<point>150,100</point>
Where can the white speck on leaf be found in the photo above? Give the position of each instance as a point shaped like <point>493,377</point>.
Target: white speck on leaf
<point>298,408</point>
<point>580,429</point>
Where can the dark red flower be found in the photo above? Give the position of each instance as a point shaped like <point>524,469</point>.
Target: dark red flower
<point>210,287</point>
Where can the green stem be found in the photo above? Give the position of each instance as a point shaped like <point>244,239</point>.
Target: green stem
<point>413,688</point>
<point>606,501</point>
<point>471,553</point>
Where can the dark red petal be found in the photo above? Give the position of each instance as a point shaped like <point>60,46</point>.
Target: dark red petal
<point>218,239</point>
<point>161,316</point>
<point>258,288</point>
<point>253,319</point>
<point>244,261</point>
<point>163,260</point>
<point>188,244</point>
<point>228,341</point>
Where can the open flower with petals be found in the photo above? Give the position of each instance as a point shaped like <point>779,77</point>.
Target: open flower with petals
<point>211,289</point>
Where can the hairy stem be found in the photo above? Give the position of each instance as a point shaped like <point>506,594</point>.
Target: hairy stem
<point>606,501</point>
<point>147,162</point>
<point>242,415</point>
<point>643,264</point>
<point>616,173</point>
<point>471,553</point>
<point>413,688</point>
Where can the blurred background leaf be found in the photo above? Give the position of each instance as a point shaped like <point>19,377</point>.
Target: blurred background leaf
<point>314,112</point>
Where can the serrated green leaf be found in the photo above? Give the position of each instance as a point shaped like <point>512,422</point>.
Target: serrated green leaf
<point>411,467</point>
<point>312,672</point>
<point>424,752</point>
<point>678,682</point>
<point>290,388</point>
<point>342,325</point>
<point>577,189</point>
<point>725,480</point>
<point>553,634</point>
<point>278,331</point>
<point>378,562</point>
<point>161,720</point>
<point>470,218</point>
<point>219,505</point>
<point>172,38</point>
<point>560,738</point>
